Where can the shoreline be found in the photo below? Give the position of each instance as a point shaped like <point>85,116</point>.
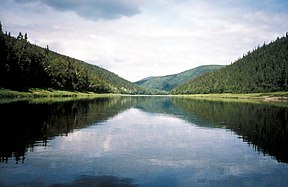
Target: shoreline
<point>52,93</point>
<point>46,93</point>
<point>269,96</point>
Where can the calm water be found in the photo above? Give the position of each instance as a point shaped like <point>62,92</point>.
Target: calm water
<point>143,141</point>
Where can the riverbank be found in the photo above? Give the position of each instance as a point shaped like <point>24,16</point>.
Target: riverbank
<point>272,96</point>
<point>42,93</point>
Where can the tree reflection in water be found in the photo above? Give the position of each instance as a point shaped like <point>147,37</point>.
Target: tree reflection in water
<point>25,125</point>
<point>261,125</point>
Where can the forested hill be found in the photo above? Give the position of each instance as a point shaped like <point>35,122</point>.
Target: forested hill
<point>24,65</point>
<point>265,69</point>
<point>169,82</point>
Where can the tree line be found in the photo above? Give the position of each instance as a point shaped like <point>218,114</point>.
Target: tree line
<point>24,65</point>
<point>265,69</point>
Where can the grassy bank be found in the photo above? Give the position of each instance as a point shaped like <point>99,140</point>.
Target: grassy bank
<point>273,96</point>
<point>51,93</point>
<point>44,93</point>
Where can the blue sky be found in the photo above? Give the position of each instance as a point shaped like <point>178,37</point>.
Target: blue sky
<point>140,38</point>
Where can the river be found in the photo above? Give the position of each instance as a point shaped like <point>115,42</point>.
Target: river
<point>143,141</point>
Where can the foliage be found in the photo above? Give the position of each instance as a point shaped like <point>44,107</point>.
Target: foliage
<point>166,83</point>
<point>24,66</point>
<point>36,93</point>
<point>265,69</point>
<point>254,97</point>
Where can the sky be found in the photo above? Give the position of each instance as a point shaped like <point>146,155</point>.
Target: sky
<point>141,38</point>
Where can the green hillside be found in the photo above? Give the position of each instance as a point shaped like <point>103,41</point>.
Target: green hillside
<point>169,82</point>
<point>24,65</point>
<point>265,69</point>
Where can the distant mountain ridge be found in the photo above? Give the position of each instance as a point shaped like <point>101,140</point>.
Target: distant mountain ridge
<point>168,82</point>
<point>265,69</point>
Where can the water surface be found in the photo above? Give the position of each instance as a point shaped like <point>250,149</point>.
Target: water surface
<point>143,141</point>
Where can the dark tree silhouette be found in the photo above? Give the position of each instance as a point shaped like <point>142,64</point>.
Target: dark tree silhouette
<point>25,66</point>
<point>265,69</point>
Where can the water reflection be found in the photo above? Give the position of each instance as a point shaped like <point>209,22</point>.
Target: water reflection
<point>88,181</point>
<point>110,181</point>
<point>145,141</point>
<point>25,124</point>
<point>261,125</point>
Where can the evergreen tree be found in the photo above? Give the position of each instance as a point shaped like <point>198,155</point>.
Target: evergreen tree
<point>25,37</point>
<point>20,36</point>
<point>47,50</point>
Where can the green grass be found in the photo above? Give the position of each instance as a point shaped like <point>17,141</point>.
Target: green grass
<point>273,98</point>
<point>42,93</point>
<point>279,95</point>
<point>36,95</point>
<point>39,95</point>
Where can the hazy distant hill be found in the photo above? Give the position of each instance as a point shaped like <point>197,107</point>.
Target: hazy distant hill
<point>169,82</point>
<point>24,65</point>
<point>265,69</point>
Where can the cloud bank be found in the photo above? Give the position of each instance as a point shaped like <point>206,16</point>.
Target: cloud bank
<point>92,9</point>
